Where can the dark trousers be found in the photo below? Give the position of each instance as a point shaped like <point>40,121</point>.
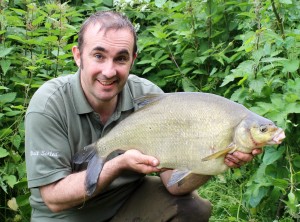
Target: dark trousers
<point>151,202</point>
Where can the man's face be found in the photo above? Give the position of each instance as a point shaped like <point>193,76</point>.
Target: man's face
<point>105,60</point>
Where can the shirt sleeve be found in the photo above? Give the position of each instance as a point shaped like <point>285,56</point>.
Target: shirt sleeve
<point>48,153</point>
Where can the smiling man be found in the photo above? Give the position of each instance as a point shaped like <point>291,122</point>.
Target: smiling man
<point>70,112</point>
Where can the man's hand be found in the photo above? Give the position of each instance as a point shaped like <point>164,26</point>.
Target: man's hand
<point>136,161</point>
<point>238,159</point>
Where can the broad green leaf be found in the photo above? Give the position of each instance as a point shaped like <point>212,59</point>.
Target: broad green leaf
<point>259,192</point>
<point>296,160</point>
<point>188,86</point>
<point>257,85</point>
<point>50,39</point>
<point>38,20</point>
<point>3,88</point>
<point>7,98</point>
<point>19,11</point>
<point>279,183</point>
<point>5,65</point>
<point>291,65</point>
<point>13,113</point>
<point>3,152</point>
<point>288,2</point>
<point>16,141</point>
<point>11,180</point>
<point>5,132</point>
<point>5,51</point>
<point>271,155</point>
<point>23,200</point>
<point>15,37</point>
<point>160,3</point>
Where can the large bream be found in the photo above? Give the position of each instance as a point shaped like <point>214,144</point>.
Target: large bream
<point>190,132</point>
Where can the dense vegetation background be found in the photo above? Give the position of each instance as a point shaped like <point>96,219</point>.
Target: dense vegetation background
<point>248,51</point>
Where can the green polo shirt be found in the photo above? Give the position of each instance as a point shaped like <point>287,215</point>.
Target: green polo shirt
<point>59,122</point>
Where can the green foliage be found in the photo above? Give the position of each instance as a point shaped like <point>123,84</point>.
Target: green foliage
<point>35,43</point>
<point>248,51</point>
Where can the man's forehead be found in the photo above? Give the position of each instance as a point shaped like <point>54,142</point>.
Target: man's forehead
<point>97,33</point>
<point>98,28</point>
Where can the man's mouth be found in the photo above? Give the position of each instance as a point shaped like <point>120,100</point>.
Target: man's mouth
<point>106,82</point>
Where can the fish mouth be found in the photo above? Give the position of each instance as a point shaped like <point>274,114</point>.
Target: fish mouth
<point>278,137</point>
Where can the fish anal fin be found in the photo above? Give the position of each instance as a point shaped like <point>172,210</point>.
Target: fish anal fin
<point>178,176</point>
<point>230,149</point>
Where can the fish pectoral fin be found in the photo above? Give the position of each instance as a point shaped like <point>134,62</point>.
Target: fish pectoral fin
<point>92,174</point>
<point>88,155</point>
<point>220,153</point>
<point>178,177</point>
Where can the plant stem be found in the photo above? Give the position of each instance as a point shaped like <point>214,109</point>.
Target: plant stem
<point>279,20</point>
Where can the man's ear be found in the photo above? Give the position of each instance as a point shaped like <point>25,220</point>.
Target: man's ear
<point>133,59</point>
<point>76,55</point>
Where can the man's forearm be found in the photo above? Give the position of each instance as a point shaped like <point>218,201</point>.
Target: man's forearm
<point>70,191</point>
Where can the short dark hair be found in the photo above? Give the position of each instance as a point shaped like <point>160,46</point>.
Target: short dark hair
<point>108,20</point>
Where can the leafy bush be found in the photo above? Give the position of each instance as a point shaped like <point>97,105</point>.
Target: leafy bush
<point>247,51</point>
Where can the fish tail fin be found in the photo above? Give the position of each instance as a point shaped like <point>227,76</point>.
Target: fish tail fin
<point>88,159</point>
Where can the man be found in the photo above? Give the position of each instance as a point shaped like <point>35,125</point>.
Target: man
<point>71,112</point>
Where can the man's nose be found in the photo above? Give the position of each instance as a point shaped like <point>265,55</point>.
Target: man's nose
<point>109,69</point>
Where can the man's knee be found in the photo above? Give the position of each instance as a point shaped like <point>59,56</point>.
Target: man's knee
<point>193,208</point>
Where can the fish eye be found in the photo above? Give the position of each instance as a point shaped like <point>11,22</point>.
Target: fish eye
<point>263,129</point>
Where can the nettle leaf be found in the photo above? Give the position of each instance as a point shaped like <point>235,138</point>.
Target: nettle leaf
<point>160,3</point>
<point>7,98</point>
<point>5,65</point>
<point>5,51</point>
<point>287,2</point>
<point>271,155</point>
<point>3,152</point>
<point>188,86</point>
<point>290,65</point>
<point>5,132</point>
<point>15,37</point>
<point>257,85</point>
<point>16,141</point>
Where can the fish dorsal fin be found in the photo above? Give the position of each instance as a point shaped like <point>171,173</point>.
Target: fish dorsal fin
<point>142,101</point>
<point>230,149</point>
<point>178,177</point>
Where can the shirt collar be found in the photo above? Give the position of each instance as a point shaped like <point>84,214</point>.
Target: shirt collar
<point>82,106</point>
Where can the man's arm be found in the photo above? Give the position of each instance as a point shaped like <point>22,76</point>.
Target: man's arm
<point>194,181</point>
<point>70,191</point>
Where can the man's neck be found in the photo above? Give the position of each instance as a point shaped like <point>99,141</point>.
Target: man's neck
<point>105,109</point>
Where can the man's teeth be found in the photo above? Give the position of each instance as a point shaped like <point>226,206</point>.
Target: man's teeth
<point>106,83</point>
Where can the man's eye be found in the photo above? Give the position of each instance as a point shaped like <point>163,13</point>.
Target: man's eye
<point>122,59</point>
<point>98,56</point>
